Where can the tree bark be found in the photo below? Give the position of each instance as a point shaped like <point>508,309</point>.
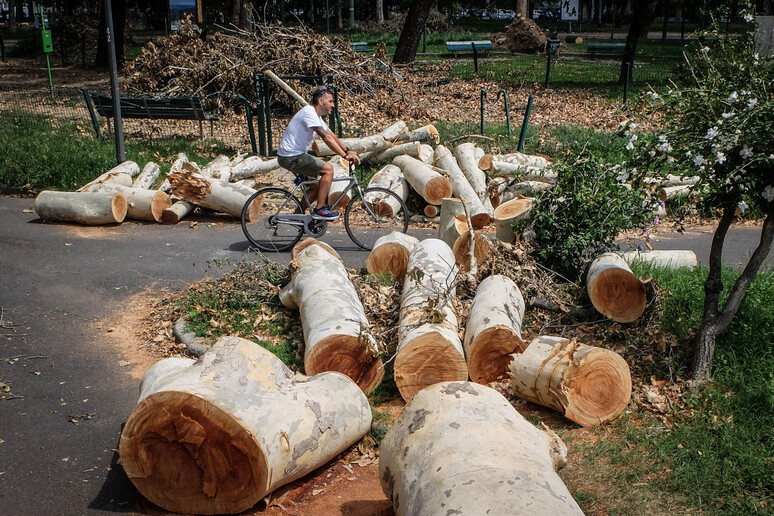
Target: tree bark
<point>391,178</point>
<point>426,153</point>
<point>335,331</point>
<point>515,158</point>
<point>429,348</point>
<point>524,188</point>
<point>252,166</point>
<point>715,320</point>
<point>129,168</point>
<point>409,149</point>
<point>410,35</point>
<point>642,15</point>
<point>461,448</point>
<point>216,435</point>
<point>493,328</point>
<point>424,134</point>
<point>148,176</point>
<point>461,187</point>
<point>142,204</point>
<point>390,255</point>
<point>508,213</point>
<point>453,221</point>
<point>368,144</point>
<point>228,198</point>
<point>465,154</point>
<point>614,291</point>
<point>89,208</point>
<point>431,185</point>
<point>586,384</point>
<point>671,259</point>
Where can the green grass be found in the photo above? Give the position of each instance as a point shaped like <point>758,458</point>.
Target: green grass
<point>43,153</point>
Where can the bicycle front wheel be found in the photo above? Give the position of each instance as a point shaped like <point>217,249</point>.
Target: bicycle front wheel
<point>377,213</point>
<point>262,220</point>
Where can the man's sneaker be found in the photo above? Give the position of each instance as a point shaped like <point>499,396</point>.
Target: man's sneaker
<point>324,214</point>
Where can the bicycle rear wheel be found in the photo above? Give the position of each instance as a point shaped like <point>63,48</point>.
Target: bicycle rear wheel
<point>377,213</point>
<point>263,225</point>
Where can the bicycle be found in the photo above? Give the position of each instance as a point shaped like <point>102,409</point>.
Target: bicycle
<point>273,219</point>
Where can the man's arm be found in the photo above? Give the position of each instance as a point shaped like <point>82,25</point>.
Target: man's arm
<point>333,142</point>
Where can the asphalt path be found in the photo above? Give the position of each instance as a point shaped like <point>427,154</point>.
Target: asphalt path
<point>66,392</point>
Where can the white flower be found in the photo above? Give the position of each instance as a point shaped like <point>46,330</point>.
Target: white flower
<point>751,103</point>
<point>705,50</point>
<point>712,133</point>
<point>622,176</point>
<point>746,152</point>
<point>728,114</point>
<point>662,138</point>
<point>721,157</point>
<point>633,138</point>
<point>699,160</point>
<point>632,126</point>
<point>664,147</point>
<point>652,94</point>
<point>742,207</point>
<point>630,146</point>
<point>732,98</point>
<point>768,193</point>
<point>748,17</point>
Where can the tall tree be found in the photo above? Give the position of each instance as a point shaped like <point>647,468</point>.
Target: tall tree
<point>379,11</point>
<point>411,34</point>
<point>642,15</point>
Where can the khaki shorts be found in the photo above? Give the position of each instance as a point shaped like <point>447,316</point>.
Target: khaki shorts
<point>303,164</point>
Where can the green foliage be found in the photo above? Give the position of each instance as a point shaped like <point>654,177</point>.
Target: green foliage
<point>719,127</point>
<point>45,155</point>
<point>582,215</point>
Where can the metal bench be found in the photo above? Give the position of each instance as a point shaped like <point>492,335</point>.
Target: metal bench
<point>468,46</point>
<point>605,48</point>
<point>360,46</point>
<point>174,108</point>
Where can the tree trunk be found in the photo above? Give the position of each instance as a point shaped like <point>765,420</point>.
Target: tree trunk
<point>670,192</point>
<point>177,212</point>
<point>528,173</point>
<point>340,169</point>
<point>216,435</point>
<point>508,213</point>
<point>411,34</point>
<point>426,153</point>
<point>90,208</point>
<point>432,186</point>
<point>390,255</point>
<point>461,248</point>
<point>129,168</point>
<point>515,158</point>
<point>586,384</point>
<point>142,204</point>
<point>379,11</point>
<point>429,348</point>
<point>461,448</point>
<point>252,166</point>
<point>493,328</point>
<point>465,154</point>
<point>148,176</point>
<point>453,221</point>
<point>670,259</point>
<point>461,187</point>
<point>408,149</point>
<point>216,195</point>
<point>335,331</point>
<point>714,319</point>
<point>368,144</point>
<point>642,15</point>
<point>614,291</point>
<point>424,134</point>
<point>524,189</point>
<point>391,178</point>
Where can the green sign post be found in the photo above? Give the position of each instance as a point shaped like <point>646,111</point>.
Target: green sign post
<point>48,47</point>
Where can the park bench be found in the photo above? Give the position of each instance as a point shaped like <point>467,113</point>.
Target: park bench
<point>360,46</point>
<point>173,108</point>
<point>605,48</point>
<point>468,46</point>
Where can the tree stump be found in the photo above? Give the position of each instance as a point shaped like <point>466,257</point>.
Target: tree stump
<point>340,169</point>
<point>493,328</point>
<point>429,348</point>
<point>390,254</point>
<point>614,291</point>
<point>332,317</point>
<point>586,384</point>
<point>89,208</point>
<point>461,448</point>
<point>509,213</point>
<point>216,435</point>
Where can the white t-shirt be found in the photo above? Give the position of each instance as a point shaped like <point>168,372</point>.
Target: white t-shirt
<point>300,133</point>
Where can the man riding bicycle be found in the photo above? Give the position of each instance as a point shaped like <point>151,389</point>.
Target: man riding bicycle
<point>293,155</point>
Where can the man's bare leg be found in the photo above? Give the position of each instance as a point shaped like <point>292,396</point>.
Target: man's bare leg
<point>326,180</point>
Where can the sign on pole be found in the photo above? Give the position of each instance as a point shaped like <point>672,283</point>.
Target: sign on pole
<point>178,9</point>
<point>569,10</point>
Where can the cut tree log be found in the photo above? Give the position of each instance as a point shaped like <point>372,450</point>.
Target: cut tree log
<point>526,160</point>
<point>671,259</point>
<point>148,176</point>
<point>142,204</point>
<point>586,384</point>
<point>431,210</point>
<point>429,347</point>
<point>252,166</point>
<point>670,192</point>
<point>493,328</point>
<point>495,187</point>
<point>216,195</point>
<point>286,88</point>
<point>312,241</point>
<point>391,178</point>
<point>672,180</point>
<point>373,143</point>
<point>461,448</point>
<point>340,169</point>
<point>219,168</point>
<point>614,290</point>
<point>524,188</point>
<point>452,223</point>
<point>177,211</point>
<point>522,173</point>
<point>89,208</point>
<point>461,247</point>
<point>129,168</point>
<point>216,435</point>
<point>465,154</point>
<point>407,149</point>
<point>390,254</point>
<point>423,134</point>
<point>334,322</point>
<point>461,188</point>
<point>426,181</point>
<point>508,213</point>
<point>120,179</point>
<point>426,153</point>
<point>177,166</point>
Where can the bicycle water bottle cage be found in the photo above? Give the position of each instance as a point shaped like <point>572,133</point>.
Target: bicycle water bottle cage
<point>298,180</point>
